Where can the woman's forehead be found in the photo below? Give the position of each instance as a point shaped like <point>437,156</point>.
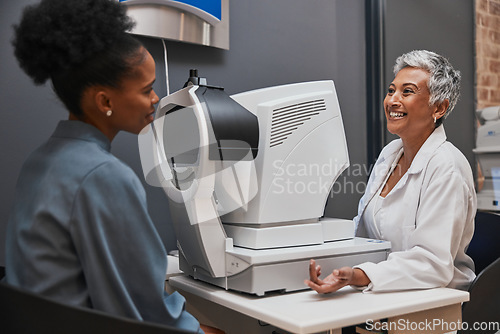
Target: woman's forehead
<point>412,75</point>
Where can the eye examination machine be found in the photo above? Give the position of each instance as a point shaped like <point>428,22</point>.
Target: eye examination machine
<point>487,152</point>
<point>247,178</point>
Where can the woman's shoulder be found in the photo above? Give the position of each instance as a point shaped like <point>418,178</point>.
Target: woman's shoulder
<point>447,158</point>
<point>84,162</point>
<point>111,180</point>
<point>450,154</point>
<point>113,171</point>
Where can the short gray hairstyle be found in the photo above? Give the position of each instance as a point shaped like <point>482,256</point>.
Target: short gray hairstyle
<point>444,80</point>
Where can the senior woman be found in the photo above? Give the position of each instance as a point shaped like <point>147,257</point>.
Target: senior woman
<point>420,195</point>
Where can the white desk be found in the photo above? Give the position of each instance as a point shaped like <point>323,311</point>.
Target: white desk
<point>309,312</point>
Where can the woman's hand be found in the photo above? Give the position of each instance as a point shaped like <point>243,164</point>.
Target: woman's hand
<point>336,280</point>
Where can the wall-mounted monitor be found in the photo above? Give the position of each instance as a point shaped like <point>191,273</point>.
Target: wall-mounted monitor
<point>204,22</point>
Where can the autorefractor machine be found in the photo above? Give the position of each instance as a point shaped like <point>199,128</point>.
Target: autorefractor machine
<point>247,178</point>
<point>487,152</point>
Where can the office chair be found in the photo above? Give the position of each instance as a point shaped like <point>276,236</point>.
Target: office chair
<point>485,245</point>
<point>484,304</point>
<point>24,312</point>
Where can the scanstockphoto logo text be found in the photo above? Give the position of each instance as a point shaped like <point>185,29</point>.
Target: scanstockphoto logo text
<point>430,325</point>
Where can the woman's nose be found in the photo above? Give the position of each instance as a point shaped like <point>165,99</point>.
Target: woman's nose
<point>393,99</point>
<point>155,99</point>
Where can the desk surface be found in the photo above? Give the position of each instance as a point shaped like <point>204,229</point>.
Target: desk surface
<point>309,312</point>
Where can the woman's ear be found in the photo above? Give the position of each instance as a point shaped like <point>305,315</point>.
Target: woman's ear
<point>102,100</point>
<point>441,109</point>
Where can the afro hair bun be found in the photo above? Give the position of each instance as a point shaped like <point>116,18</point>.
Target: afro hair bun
<point>56,35</point>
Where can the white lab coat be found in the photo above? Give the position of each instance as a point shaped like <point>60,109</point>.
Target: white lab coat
<point>428,217</point>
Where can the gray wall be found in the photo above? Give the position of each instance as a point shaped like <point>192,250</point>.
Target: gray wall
<point>272,42</point>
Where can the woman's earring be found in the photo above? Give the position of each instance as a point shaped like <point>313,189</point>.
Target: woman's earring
<point>434,119</point>
<point>110,112</point>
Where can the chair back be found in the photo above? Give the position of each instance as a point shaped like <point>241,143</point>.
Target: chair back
<point>485,245</point>
<point>24,312</point>
<point>483,309</point>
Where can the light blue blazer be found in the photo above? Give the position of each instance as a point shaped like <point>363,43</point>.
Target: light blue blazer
<point>80,232</point>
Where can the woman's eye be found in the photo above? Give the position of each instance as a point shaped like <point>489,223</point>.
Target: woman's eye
<point>390,91</point>
<point>408,91</point>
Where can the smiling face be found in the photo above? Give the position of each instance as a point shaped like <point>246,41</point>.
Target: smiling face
<point>406,105</point>
<point>133,102</point>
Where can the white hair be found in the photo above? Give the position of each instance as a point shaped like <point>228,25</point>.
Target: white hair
<point>444,81</point>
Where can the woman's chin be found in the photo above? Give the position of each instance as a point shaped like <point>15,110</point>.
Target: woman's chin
<point>393,128</point>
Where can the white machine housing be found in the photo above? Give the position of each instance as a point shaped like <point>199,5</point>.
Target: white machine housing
<point>487,152</point>
<point>302,151</point>
<point>252,223</point>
